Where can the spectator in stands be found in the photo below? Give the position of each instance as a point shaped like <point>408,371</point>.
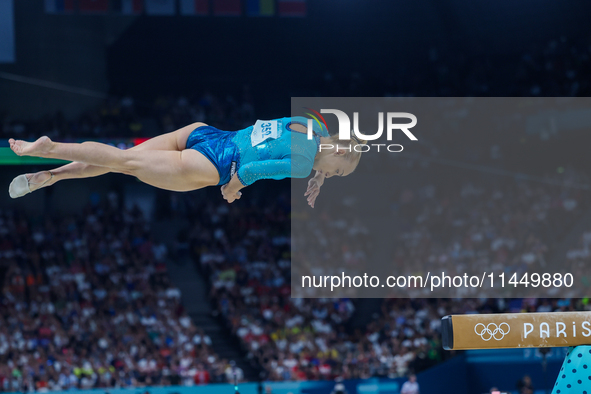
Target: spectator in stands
<point>411,386</point>
<point>202,375</point>
<point>525,386</point>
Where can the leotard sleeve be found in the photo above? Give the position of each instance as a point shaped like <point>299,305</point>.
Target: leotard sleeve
<point>273,169</point>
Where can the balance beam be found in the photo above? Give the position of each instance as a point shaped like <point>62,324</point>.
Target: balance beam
<point>516,330</point>
<point>527,330</point>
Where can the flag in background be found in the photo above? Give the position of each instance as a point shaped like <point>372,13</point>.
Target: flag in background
<point>227,7</point>
<point>59,6</point>
<point>160,7</point>
<point>98,6</point>
<point>291,7</point>
<point>132,7</point>
<point>260,7</point>
<point>194,7</point>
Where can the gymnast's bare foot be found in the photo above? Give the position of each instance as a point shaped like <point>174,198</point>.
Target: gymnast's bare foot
<point>23,148</point>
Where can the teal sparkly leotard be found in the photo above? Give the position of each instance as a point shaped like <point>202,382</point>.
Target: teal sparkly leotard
<point>267,150</point>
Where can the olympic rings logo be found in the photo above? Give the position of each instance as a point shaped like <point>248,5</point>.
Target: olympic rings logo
<point>492,331</point>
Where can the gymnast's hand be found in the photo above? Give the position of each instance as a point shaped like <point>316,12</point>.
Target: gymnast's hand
<point>229,194</point>
<point>231,190</point>
<point>314,185</point>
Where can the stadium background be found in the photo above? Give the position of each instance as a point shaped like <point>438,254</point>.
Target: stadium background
<point>110,283</point>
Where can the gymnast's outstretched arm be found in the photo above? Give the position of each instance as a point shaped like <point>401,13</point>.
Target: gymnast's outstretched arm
<point>249,173</point>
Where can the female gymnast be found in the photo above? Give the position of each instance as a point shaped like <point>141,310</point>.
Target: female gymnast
<point>199,155</point>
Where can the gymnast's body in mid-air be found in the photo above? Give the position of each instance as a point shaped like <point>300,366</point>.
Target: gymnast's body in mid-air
<point>198,155</point>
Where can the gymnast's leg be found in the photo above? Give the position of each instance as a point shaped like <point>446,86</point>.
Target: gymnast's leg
<point>47,178</point>
<point>174,141</point>
<point>98,154</point>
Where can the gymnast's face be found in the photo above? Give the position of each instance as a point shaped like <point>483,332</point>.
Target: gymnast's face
<point>334,164</point>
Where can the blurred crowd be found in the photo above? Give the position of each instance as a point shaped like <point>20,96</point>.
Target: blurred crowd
<point>558,67</point>
<point>225,113</point>
<point>245,252</point>
<point>480,225</point>
<point>125,117</point>
<point>114,118</point>
<point>86,302</point>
